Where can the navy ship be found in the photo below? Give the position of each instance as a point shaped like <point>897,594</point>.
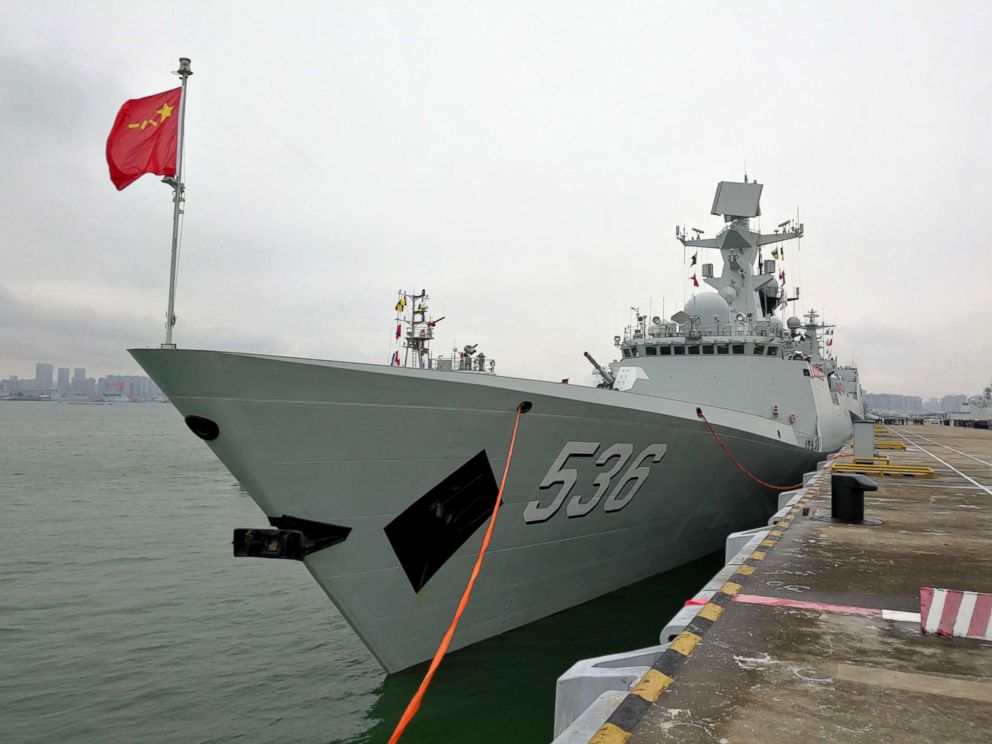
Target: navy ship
<point>381,478</point>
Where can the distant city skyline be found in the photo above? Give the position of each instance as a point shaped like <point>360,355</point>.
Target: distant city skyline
<point>914,403</point>
<point>46,381</point>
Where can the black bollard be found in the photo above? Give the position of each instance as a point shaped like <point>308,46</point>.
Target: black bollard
<point>847,497</point>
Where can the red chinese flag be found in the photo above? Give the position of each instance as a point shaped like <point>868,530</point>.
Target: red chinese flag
<point>694,280</point>
<point>144,138</point>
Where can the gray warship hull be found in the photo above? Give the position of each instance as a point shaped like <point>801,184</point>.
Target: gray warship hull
<point>605,487</point>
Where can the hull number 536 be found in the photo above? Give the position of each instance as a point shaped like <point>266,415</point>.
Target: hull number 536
<point>609,463</point>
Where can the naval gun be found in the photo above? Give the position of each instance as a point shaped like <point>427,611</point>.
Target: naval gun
<point>609,378</point>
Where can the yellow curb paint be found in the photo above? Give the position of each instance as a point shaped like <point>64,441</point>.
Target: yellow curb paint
<point>684,642</point>
<point>776,533</point>
<point>730,588</point>
<point>711,611</point>
<point>610,734</point>
<point>652,685</point>
<point>746,570</point>
<point>768,543</point>
<point>784,524</point>
<point>757,555</point>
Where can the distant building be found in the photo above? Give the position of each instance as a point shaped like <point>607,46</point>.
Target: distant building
<point>131,387</point>
<point>63,380</point>
<point>43,376</point>
<point>894,403</point>
<point>951,403</point>
<point>79,381</point>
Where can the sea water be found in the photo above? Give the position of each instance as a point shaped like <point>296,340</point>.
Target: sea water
<point>125,618</point>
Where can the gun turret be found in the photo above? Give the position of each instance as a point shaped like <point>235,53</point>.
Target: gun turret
<point>602,372</point>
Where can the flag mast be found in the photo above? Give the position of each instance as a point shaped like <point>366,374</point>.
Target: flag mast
<point>178,189</point>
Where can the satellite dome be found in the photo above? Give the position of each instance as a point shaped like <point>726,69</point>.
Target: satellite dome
<point>729,294</point>
<point>794,323</point>
<point>711,309</point>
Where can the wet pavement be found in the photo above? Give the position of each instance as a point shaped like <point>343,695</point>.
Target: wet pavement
<point>802,653</point>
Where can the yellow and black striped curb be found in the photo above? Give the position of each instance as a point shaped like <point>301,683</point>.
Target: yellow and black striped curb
<point>620,725</point>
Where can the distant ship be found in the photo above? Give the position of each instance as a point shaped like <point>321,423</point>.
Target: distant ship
<point>977,410</point>
<point>380,478</point>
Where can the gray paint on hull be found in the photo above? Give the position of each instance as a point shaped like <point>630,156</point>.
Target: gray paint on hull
<point>355,446</point>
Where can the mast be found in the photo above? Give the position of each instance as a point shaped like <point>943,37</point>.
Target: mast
<point>748,289</point>
<point>178,189</point>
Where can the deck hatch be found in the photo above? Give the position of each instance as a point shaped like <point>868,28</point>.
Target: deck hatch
<point>431,529</point>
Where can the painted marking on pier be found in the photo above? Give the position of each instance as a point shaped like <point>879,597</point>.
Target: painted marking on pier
<point>800,604</point>
<point>947,464</point>
<point>730,588</point>
<point>685,642</point>
<point>925,684</point>
<point>652,684</point>
<point>956,613</point>
<point>711,611</point>
<point>610,734</point>
<point>939,444</point>
<point>663,673</point>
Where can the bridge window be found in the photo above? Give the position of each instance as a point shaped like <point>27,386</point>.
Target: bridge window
<point>651,350</point>
<point>665,350</point>
<point>678,350</point>
<point>694,350</point>
<point>722,349</point>
<point>626,353</point>
<point>738,348</point>
<point>772,351</point>
<point>759,349</point>
<point>708,349</point>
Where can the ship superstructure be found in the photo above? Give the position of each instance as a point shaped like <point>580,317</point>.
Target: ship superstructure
<point>415,327</point>
<point>733,338</point>
<point>380,478</point>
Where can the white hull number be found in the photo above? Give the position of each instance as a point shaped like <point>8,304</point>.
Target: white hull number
<point>580,505</point>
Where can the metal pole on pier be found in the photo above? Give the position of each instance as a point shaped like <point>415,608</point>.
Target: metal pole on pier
<point>178,189</point>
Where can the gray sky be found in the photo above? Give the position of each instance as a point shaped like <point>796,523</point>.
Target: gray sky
<point>526,162</point>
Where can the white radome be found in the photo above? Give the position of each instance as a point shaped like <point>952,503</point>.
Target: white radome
<point>710,307</point>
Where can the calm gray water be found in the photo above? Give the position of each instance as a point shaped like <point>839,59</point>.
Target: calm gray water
<point>123,616</point>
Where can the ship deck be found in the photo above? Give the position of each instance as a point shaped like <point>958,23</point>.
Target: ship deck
<point>774,668</point>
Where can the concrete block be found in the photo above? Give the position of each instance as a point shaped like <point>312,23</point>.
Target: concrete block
<point>583,728</point>
<point>588,679</point>
<point>744,543</point>
<point>737,540</point>
<point>778,516</point>
<point>788,498</point>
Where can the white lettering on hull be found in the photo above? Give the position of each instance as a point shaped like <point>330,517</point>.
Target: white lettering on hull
<point>580,504</point>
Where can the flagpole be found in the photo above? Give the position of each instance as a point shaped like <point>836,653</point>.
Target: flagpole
<point>178,189</point>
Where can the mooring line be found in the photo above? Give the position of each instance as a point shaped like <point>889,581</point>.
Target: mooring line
<point>414,705</point>
<point>748,473</point>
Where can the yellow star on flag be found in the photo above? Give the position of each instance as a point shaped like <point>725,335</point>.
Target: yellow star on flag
<point>165,112</point>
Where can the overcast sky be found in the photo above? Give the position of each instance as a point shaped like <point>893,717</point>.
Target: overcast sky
<point>525,162</point>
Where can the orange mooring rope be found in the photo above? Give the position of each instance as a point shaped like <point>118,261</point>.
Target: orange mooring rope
<point>414,704</point>
<point>748,473</point>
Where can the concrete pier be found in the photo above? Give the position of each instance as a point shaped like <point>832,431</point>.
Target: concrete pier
<point>817,636</point>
